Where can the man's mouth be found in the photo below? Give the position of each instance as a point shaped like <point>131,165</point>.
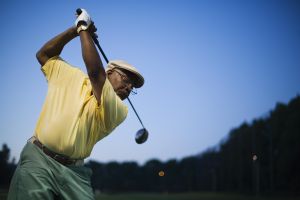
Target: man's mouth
<point>123,94</point>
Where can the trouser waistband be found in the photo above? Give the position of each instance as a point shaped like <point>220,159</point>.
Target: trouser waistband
<point>62,159</point>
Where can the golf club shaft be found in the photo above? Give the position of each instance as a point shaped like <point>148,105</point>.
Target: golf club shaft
<point>136,112</point>
<point>105,58</point>
<point>100,49</point>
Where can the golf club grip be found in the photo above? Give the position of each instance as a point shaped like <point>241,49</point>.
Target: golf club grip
<point>79,11</point>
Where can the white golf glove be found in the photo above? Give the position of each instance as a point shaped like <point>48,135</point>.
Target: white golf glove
<point>83,17</point>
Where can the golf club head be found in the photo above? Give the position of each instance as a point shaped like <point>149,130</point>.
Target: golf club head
<point>141,136</point>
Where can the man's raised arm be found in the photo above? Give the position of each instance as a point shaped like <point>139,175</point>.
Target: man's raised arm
<point>54,46</point>
<point>90,54</point>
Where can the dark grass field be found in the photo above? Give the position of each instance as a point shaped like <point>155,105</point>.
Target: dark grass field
<point>186,196</point>
<point>179,196</point>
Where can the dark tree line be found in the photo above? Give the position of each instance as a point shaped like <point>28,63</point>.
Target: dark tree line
<point>7,167</point>
<point>261,157</point>
<point>258,157</point>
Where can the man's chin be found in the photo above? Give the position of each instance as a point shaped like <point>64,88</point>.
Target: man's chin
<point>122,96</point>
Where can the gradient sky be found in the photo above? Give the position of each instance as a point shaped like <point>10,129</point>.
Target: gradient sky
<point>208,65</point>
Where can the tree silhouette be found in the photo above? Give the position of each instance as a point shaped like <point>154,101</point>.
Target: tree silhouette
<point>6,168</point>
<point>255,158</point>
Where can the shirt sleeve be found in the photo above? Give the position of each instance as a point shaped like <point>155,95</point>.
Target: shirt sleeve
<point>112,109</point>
<point>55,68</point>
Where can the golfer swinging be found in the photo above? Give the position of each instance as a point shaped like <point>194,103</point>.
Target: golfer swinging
<point>79,110</point>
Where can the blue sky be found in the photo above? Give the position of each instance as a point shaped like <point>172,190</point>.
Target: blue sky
<point>208,66</point>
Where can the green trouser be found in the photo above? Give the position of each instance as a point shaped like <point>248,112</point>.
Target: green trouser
<point>39,177</point>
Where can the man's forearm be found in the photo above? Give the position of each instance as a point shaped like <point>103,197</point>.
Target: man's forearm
<point>93,64</point>
<point>55,46</point>
<point>90,55</point>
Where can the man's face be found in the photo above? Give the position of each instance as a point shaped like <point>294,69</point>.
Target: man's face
<point>121,81</point>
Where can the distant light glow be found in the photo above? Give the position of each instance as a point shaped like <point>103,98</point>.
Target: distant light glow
<point>254,158</point>
<point>161,173</point>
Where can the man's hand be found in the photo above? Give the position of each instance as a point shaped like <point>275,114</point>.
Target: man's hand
<point>92,30</point>
<point>83,19</point>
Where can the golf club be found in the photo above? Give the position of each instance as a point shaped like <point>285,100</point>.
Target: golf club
<point>142,134</point>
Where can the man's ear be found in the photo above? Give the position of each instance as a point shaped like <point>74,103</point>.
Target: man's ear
<point>109,72</point>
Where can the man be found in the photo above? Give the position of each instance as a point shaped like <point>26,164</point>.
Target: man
<point>79,110</point>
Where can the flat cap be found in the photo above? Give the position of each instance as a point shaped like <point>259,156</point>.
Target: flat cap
<point>120,64</point>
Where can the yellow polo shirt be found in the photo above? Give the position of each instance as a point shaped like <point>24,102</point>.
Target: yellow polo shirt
<point>71,121</point>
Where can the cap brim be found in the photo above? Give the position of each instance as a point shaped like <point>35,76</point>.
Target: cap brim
<point>138,78</point>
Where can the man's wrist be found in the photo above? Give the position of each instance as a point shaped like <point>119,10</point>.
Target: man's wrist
<point>73,31</point>
<point>81,28</point>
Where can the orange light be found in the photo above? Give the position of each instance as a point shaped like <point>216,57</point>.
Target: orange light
<point>161,173</point>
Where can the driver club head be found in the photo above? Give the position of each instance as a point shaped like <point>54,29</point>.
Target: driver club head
<point>141,136</point>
